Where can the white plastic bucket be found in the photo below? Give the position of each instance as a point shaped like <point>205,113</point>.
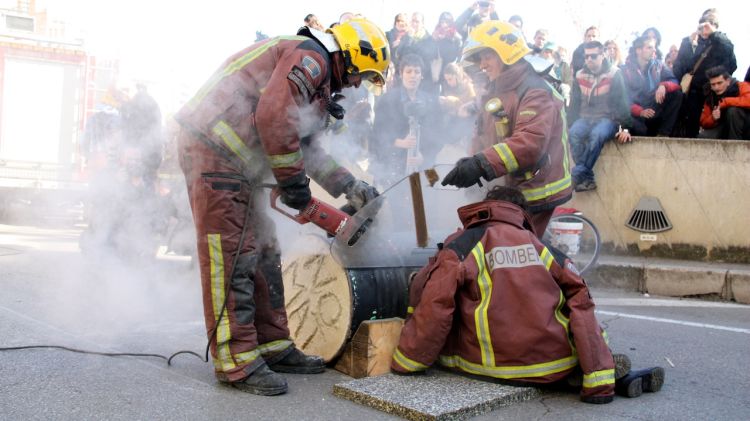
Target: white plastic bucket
<point>566,236</point>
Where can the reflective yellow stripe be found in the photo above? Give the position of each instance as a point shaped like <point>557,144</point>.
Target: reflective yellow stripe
<point>565,144</point>
<point>326,169</point>
<point>547,258</point>
<point>484,281</point>
<point>565,182</point>
<point>605,335</point>
<point>564,321</point>
<point>527,112</point>
<point>233,142</point>
<point>235,66</point>
<point>555,92</point>
<point>599,378</point>
<point>510,372</point>
<point>547,190</point>
<point>285,160</point>
<point>506,155</point>
<point>241,358</point>
<point>407,363</point>
<point>218,293</point>
<point>409,310</point>
<point>274,346</point>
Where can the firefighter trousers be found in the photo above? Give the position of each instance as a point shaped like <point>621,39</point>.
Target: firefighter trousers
<point>243,293</point>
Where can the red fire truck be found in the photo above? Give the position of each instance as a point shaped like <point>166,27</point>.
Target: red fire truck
<point>47,90</point>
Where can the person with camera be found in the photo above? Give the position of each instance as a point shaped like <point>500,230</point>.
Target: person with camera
<point>710,48</point>
<point>479,11</point>
<point>407,127</point>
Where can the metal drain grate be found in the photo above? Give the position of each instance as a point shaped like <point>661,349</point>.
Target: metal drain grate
<point>648,216</point>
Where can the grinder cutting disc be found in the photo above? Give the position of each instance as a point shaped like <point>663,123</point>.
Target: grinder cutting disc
<point>358,224</point>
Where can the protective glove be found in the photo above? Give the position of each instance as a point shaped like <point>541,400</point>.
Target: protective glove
<point>297,195</point>
<point>466,173</point>
<point>359,193</point>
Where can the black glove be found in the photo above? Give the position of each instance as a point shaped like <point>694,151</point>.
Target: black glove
<point>297,195</point>
<point>359,193</point>
<point>466,173</point>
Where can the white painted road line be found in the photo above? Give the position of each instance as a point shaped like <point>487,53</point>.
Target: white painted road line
<point>662,302</point>
<point>673,321</point>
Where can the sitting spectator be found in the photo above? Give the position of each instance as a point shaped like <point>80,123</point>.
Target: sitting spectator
<point>712,48</point>
<point>612,51</point>
<point>599,109</point>
<point>655,35</point>
<point>480,11</point>
<point>577,62</point>
<point>654,92</point>
<point>495,302</point>
<point>540,38</point>
<point>408,126</point>
<point>726,114</point>
<point>671,57</point>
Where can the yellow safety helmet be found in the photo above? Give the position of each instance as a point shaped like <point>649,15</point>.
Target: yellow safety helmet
<point>501,37</point>
<point>365,49</point>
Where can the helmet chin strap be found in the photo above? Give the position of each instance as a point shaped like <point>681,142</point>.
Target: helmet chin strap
<point>339,76</point>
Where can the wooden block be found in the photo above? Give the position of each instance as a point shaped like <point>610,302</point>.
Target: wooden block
<point>370,350</point>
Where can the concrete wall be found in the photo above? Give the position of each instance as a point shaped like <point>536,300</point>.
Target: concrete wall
<point>703,186</point>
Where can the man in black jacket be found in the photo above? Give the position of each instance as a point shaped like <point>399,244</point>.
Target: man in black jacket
<point>718,50</point>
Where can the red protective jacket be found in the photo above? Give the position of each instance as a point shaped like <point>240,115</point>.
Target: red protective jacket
<point>260,106</point>
<point>495,302</point>
<point>531,143</point>
<point>742,100</point>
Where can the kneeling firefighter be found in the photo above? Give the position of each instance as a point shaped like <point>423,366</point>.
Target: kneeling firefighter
<point>258,115</point>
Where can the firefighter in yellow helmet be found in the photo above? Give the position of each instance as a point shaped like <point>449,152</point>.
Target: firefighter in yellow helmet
<point>255,121</point>
<point>521,128</point>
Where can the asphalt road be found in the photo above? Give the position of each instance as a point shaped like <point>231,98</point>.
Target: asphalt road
<point>52,295</point>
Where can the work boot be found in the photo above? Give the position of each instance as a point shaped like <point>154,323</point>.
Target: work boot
<point>637,382</point>
<point>597,400</point>
<point>296,362</point>
<point>262,381</point>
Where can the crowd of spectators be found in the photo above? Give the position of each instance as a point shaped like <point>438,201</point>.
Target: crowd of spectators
<point>684,91</point>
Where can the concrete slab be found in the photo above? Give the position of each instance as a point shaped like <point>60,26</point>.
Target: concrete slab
<point>682,281</point>
<point>613,273</point>
<point>739,282</point>
<point>437,395</point>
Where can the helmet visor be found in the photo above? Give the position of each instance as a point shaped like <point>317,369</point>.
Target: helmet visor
<point>372,78</point>
<point>373,82</point>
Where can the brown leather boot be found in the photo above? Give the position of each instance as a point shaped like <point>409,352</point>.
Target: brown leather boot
<point>263,382</point>
<point>298,363</point>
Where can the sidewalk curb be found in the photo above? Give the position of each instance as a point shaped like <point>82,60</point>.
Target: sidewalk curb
<point>673,278</point>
